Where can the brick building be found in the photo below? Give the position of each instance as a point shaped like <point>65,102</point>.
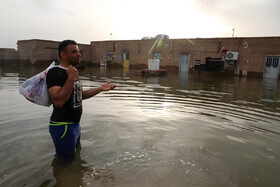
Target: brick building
<point>254,55</point>
<point>40,51</point>
<point>8,54</point>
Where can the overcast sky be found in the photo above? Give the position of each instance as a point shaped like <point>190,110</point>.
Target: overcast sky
<point>98,20</point>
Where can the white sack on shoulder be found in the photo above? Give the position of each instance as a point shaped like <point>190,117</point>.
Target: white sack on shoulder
<point>35,88</point>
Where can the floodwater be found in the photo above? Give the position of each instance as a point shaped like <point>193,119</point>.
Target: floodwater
<point>175,130</point>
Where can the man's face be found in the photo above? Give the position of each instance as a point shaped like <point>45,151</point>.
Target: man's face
<point>73,55</point>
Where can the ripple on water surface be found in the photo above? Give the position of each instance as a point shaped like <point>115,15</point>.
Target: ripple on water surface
<point>158,131</point>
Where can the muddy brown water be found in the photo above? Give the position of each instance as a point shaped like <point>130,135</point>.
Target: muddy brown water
<point>175,130</point>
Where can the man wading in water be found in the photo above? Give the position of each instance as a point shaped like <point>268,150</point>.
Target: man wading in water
<point>66,93</point>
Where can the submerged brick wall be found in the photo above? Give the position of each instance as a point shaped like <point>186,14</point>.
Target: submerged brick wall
<point>252,51</point>
<point>8,54</point>
<point>46,51</point>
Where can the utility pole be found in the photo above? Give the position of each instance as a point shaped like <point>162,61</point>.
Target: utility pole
<point>233,31</point>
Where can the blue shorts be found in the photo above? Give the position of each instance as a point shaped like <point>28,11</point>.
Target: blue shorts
<point>66,136</point>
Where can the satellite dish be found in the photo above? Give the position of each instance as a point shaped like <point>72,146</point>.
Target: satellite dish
<point>245,44</point>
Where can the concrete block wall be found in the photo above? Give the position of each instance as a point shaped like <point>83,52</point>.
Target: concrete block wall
<point>251,56</point>
<point>46,51</point>
<point>100,49</point>
<point>25,49</point>
<point>86,52</point>
<point>8,54</point>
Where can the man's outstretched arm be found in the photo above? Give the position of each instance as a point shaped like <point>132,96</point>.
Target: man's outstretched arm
<point>94,91</point>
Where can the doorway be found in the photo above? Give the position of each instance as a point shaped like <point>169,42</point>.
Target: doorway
<point>271,67</point>
<point>184,62</point>
<point>126,59</point>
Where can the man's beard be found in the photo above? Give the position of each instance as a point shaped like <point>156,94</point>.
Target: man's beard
<point>75,63</point>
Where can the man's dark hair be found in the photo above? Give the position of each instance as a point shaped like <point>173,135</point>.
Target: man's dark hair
<point>63,45</point>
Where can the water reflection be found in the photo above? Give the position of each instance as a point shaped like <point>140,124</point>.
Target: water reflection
<point>125,72</point>
<point>61,168</point>
<point>174,130</point>
<point>269,88</point>
<point>103,71</point>
<point>75,171</point>
<point>152,80</point>
<point>183,80</point>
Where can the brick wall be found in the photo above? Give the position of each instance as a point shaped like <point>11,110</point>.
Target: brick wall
<point>251,56</point>
<point>46,51</point>
<point>8,54</point>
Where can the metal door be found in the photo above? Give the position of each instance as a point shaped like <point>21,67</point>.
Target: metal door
<point>125,59</point>
<point>271,67</point>
<point>184,62</point>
